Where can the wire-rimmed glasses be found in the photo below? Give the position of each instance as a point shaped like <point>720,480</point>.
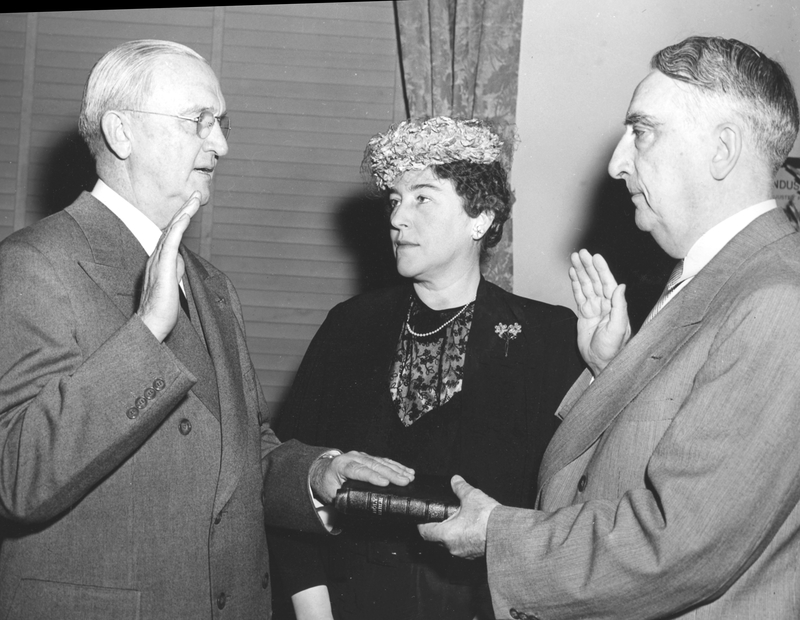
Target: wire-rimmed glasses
<point>204,121</point>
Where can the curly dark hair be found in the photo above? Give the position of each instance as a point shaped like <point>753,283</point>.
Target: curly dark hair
<point>483,187</point>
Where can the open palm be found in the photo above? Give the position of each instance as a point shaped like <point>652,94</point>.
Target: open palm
<point>603,324</point>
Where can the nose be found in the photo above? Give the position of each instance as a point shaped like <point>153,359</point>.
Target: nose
<point>398,218</point>
<point>216,141</point>
<point>619,165</point>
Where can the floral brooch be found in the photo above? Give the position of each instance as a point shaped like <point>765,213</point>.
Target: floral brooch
<point>508,332</point>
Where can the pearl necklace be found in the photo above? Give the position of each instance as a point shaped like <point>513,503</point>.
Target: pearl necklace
<point>440,328</point>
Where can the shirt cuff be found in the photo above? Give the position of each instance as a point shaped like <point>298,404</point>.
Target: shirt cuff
<point>325,512</point>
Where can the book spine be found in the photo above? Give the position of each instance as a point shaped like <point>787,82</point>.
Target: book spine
<point>357,502</point>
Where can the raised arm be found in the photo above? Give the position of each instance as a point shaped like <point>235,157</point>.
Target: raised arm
<point>603,324</point>
<point>81,387</point>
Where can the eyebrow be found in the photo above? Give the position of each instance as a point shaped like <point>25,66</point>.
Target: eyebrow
<point>635,118</point>
<point>416,186</point>
<point>197,111</point>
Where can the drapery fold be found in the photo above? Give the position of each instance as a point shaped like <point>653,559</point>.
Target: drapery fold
<point>460,58</point>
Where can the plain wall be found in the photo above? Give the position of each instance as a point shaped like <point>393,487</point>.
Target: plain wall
<point>580,62</point>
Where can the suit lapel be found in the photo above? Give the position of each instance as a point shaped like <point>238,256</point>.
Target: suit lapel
<point>186,342</point>
<point>214,317</point>
<point>118,258</point>
<point>118,268</point>
<point>588,415</point>
<point>597,407</point>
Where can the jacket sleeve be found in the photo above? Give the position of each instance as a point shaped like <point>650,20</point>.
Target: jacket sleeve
<point>298,556</point>
<point>69,415</point>
<point>721,482</point>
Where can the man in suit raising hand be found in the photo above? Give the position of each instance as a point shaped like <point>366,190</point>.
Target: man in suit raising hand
<point>133,433</point>
<point>672,487</point>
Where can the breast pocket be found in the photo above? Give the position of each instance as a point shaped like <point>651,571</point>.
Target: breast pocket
<point>37,599</point>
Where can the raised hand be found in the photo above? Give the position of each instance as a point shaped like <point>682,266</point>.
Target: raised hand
<point>603,324</point>
<point>328,475</point>
<point>160,303</point>
<point>464,534</point>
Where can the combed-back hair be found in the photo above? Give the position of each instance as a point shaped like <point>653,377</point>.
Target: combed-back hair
<point>755,86</point>
<point>121,79</point>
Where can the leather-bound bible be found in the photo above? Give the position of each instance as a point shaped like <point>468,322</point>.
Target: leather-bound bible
<point>426,499</point>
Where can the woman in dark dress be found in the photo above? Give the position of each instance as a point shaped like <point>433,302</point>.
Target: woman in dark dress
<point>446,374</point>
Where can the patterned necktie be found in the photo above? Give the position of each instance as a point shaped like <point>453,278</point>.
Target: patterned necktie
<point>672,283</point>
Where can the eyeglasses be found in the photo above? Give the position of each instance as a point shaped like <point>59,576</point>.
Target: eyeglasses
<point>205,122</point>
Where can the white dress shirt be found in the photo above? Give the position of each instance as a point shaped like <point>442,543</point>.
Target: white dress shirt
<point>714,239</point>
<point>141,226</point>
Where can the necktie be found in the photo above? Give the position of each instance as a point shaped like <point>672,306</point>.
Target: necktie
<point>672,283</point>
<point>184,302</point>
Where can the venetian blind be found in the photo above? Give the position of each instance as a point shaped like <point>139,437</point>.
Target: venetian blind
<point>306,85</point>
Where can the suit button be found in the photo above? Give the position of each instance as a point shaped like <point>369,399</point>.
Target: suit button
<point>132,413</point>
<point>265,581</point>
<point>221,600</point>
<point>150,393</point>
<point>159,384</point>
<point>140,402</point>
<point>184,427</point>
<point>582,483</point>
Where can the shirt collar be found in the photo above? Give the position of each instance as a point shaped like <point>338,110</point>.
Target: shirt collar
<point>714,239</point>
<point>142,227</point>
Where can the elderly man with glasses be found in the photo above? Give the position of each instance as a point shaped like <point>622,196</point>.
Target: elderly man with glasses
<point>133,430</point>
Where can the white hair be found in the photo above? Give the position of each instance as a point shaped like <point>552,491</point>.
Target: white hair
<point>121,80</point>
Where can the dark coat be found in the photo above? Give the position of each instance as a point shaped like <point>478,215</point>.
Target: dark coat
<point>340,396</point>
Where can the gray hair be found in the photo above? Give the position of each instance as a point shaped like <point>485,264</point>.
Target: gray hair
<point>121,79</point>
<point>755,86</point>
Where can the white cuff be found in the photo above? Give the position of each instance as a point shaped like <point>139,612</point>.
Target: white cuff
<point>325,512</point>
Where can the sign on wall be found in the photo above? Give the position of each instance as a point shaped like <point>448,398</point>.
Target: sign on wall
<point>787,184</point>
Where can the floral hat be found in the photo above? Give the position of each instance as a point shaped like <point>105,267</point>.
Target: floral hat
<point>416,144</point>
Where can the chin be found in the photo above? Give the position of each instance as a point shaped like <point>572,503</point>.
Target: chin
<point>641,221</point>
<point>205,195</point>
<point>406,270</point>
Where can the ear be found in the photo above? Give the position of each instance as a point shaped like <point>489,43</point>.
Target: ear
<point>117,133</point>
<point>727,151</point>
<point>480,224</point>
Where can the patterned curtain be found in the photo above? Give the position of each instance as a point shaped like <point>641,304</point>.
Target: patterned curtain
<point>461,58</point>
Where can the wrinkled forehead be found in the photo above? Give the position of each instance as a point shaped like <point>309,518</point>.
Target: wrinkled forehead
<point>658,92</point>
<point>186,82</point>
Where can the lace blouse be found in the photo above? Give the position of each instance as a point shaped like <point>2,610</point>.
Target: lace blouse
<point>428,367</point>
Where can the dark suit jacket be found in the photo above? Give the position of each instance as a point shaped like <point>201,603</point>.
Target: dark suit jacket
<point>130,470</point>
<point>341,393</point>
<point>671,488</point>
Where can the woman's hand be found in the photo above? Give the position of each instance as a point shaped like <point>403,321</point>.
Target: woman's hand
<point>603,324</point>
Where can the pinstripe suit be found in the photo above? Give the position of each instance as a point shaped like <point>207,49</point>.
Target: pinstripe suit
<point>671,488</point>
<point>130,470</point>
